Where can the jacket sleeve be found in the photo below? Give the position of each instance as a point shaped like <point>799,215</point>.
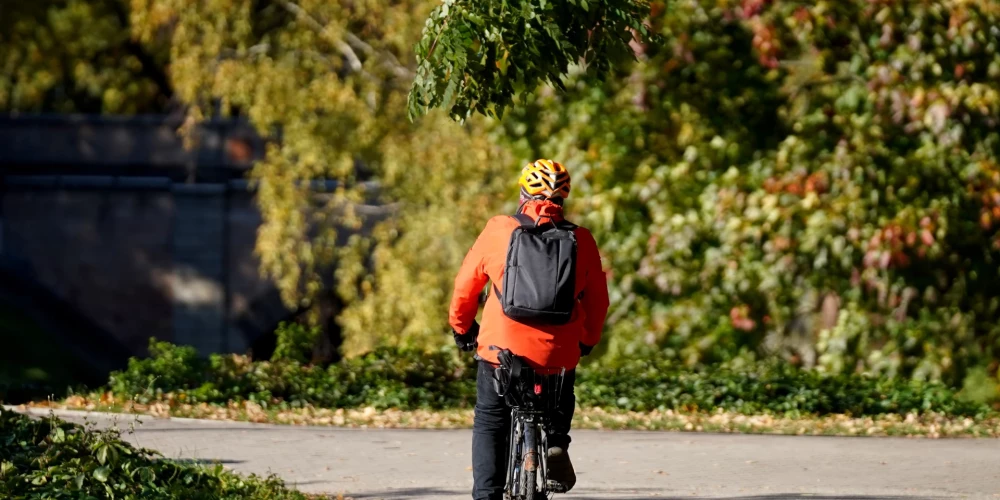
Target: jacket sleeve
<point>469,284</point>
<point>595,292</point>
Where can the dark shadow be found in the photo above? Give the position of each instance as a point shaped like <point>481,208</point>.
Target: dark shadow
<point>296,484</point>
<point>145,430</point>
<point>791,496</point>
<point>406,493</point>
<point>775,496</point>
<point>641,494</point>
<point>70,343</point>
<point>200,461</point>
<point>261,319</point>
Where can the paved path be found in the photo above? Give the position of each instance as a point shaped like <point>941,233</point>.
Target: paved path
<point>425,465</point>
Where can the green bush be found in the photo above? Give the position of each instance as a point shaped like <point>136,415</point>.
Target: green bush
<point>771,387</point>
<point>168,367</point>
<point>384,378</point>
<point>407,378</point>
<point>50,458</point>
<point>295,342</point>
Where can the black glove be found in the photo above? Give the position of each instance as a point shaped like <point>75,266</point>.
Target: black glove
<point>585,349</point>
<point>467,342</point>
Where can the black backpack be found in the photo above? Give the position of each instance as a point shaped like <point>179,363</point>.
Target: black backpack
<point>539,279</point>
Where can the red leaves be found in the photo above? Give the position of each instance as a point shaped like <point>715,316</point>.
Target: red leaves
<point>988,188</point>
<point>656,8</point>
<point>926,237</point>
<point>799,184</point>
<point>738,316</point>
<point>802,14</point>
<point>753,7</point>
<point>764,40</point>
<point>765,44</point>
<point>893,245</point>
<point>781,243</point>
<point>817,183</point>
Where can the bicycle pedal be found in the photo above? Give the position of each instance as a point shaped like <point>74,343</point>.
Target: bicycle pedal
<point>555,487</point>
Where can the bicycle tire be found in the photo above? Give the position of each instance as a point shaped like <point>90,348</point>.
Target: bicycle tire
<point>530,461</point>
<point>515,444</point>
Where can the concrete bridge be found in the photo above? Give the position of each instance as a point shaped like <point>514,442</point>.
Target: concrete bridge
<point>112,232</point>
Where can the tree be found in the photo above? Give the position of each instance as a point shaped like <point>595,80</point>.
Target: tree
<point>475,57</point>
<point>327,81</point>
<point>811,180</point>
<point>78,56</point>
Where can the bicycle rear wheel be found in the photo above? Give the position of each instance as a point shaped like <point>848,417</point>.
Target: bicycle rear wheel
<point>530,461</point>
<point>516,444</point>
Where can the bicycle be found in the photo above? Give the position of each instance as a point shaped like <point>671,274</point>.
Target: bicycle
<point>532,398</point>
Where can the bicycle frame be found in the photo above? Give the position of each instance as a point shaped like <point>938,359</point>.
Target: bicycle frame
<point>527,462</point>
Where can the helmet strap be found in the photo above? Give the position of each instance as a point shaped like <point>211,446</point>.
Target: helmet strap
<point>521,206</point>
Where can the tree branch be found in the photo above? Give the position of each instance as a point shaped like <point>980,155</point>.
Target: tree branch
<point>345,50</point>
<point>349,44</point>
<point>387,58</point>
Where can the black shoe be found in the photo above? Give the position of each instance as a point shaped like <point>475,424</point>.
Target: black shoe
<point>562,477</point>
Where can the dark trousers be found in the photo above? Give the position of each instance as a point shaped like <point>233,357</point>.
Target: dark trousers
<point>491,433</point>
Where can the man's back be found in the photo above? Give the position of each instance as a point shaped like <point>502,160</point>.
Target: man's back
<point>544,346</point>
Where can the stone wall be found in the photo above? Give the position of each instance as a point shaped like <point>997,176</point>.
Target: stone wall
<point>116,222</point>
<point>144,257</point>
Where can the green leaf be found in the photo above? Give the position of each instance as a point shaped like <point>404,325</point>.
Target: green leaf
<point>102,454</point>
<point>78,481</point>
<point>449,92</point>
<point>147,475</point>
<point>6,468</point>
<point>58,435</point>
<point>101,473</point>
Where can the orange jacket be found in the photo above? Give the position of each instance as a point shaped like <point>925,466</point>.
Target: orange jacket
<point>548,346</point>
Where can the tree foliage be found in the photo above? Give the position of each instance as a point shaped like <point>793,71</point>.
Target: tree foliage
<point>328,83</point>
<point>78,56</point>
<point>811,180</point>
<point>475,57</point>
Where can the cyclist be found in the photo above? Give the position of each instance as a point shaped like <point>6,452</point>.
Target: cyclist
<point>545,185</point>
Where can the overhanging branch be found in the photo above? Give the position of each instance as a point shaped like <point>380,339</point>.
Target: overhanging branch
<point>345,49</point>
<point>349,44</point>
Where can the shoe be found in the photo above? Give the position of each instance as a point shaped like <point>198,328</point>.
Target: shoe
<point>562,477</point>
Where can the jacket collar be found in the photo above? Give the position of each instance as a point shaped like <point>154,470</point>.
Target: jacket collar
<point>543,208</point>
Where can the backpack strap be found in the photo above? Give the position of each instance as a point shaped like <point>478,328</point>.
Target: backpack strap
<point>566,225</point>
<point>524,220</point>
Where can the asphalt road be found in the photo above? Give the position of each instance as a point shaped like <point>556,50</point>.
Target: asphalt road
<point>428,464</point>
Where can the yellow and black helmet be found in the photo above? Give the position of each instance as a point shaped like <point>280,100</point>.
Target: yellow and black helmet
<point>545,179</point>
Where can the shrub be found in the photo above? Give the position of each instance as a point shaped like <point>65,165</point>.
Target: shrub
<point>408,378</point>
<point>295,342</point>
<point>771,387</point>
<point>51,458</point>
<point>168,367</point>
